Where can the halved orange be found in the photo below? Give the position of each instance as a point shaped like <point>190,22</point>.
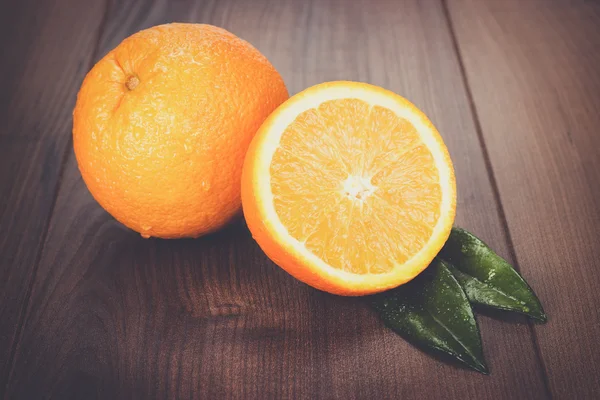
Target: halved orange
<point>349,188</point>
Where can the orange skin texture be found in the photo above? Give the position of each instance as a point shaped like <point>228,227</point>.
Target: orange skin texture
<point>162,124</point>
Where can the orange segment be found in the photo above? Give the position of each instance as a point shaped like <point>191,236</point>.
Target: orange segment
<point>349,188</point>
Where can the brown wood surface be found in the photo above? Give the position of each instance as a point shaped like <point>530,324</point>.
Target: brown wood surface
<point>46,51</point>
<point>90,310</point>
<point>533,69</point>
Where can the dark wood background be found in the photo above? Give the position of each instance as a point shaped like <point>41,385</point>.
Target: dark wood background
<point>91,310</point>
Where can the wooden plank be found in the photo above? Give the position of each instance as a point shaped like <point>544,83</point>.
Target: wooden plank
<point>113,315</point>
<point>533,70</point>
<point>45,54</point>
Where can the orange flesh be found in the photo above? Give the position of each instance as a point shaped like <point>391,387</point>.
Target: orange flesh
<point>356,185</point>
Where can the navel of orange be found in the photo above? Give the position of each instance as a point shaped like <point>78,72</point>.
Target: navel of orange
<point>349,188</point>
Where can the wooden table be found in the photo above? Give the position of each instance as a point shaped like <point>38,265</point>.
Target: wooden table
<point>89,309</point>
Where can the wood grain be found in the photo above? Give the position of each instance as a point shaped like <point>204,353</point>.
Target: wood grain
<point>45,54</point>
<point>114,316</point>
<point>533,71</point>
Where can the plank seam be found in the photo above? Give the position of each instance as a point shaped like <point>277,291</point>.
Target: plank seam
<point>65,156</point>
<point>493,181</point>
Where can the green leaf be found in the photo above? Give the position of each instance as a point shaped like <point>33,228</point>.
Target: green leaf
<point>487,278</point>
<point>433,313</point>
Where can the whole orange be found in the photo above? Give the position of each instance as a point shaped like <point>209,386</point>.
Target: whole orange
<point>162,124</point>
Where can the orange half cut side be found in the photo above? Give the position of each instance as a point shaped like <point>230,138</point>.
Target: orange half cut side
<point>349,188</point>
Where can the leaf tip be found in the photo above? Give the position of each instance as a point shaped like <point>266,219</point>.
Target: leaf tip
<point>540,318</point>
<point>481,367</point>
